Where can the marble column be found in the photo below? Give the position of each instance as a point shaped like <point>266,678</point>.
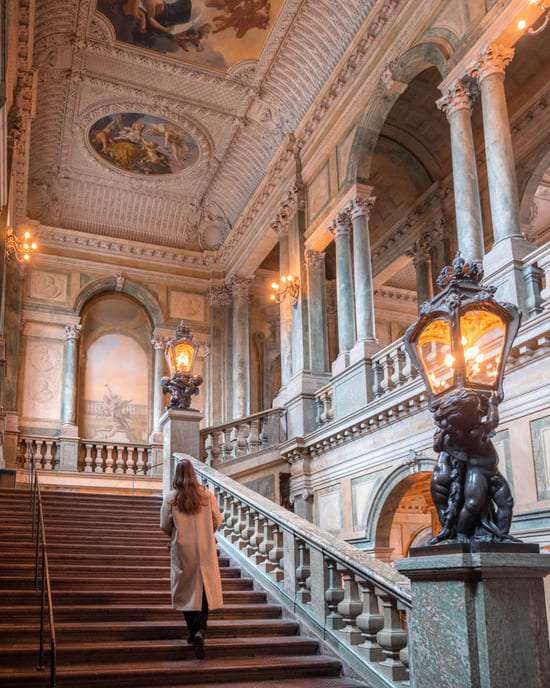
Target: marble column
<point>503,264</point>
<point>341,228</point>
<point>456,104</point>
<point>158,343</point>
<point>241,350</point>
<point>220,300</point>
<point>489,71</point>
<point>318,319</point>
<point>70,371</point>
<point>420,253</point>
<point>68,441</point>
<point>359,210</point>
<point>332,318</point>
<point>285,307</point>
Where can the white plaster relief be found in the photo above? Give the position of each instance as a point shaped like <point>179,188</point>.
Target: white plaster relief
<point>42,383</point>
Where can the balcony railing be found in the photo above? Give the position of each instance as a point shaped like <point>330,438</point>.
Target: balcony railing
<point>244,436</point>
<point>355,602</point>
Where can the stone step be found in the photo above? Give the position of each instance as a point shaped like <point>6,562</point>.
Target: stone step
<point>181,673</point>
<point>68,631</point>
<point>69,569</point>
<point>162,650</point>
<point>67,582</point>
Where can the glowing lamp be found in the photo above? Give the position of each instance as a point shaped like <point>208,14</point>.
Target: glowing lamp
<point>463,335</point>
<point>181,351</point>
<point>290,287</point>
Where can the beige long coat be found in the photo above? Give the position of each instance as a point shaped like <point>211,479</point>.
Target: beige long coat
<point>194,562</point>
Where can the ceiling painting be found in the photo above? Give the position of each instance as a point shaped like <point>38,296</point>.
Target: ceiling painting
<point>214,33</point>
<point>143,144</point>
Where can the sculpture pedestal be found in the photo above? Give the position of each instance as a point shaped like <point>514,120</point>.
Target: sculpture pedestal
<point>180,432</point>
<point>478,616</point>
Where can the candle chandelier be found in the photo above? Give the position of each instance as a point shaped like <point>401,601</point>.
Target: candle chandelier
<point>290,286</point>
<point>20,249</point>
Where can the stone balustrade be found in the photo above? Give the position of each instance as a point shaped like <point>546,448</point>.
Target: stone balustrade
<point>94,456</point>
<point>392,368</point>
<point>357,603</point>
<point>244,436</point>
<point>536,274</point>
<point>324,411</point>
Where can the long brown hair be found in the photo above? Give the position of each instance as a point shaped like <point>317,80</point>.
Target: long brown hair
<point>190,496</point>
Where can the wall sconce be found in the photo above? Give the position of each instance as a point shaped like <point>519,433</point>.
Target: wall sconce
<point>290,286</point>
<point>543,19</point>
<point>20,249</point>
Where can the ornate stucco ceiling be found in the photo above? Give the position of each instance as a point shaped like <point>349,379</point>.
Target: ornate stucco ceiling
<point>143,142</point>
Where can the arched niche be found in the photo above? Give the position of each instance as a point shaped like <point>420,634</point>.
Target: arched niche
<point>123,286</point>
<point>115,379</point>
<point>406,480</point>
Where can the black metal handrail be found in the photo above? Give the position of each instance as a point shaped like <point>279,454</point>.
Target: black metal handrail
<point>41,563</point>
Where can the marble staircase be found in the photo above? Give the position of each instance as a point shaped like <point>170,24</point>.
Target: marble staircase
<point>114,625</point>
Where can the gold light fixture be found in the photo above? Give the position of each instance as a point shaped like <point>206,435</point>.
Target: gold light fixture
<point>542,20</point>
<point>290,286</point>
<point>20,249</point>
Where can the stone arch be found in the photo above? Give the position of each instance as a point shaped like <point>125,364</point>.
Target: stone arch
<point>404,69</point>
<point>530,179</point>
<point>135,291</point>
<point>389,494</point>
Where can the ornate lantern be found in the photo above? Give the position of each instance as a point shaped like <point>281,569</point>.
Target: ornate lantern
<point>181,352</point>
<point>463,335</point>
<point>459,345</point>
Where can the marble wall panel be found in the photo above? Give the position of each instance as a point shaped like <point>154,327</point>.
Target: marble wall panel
<point>343,150</point>
<point>42,380</point>
<point>186,305</point>
<point>45,285</point>
<point>328,507</point>
<point>318,192</point>
<point>540,437</point>
<point>362,490</point>
<point>264,486</point>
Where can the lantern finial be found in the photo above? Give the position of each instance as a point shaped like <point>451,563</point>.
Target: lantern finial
<point>460,271</point>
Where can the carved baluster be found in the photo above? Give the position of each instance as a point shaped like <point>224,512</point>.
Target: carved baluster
<point>253,439</point>
<point>256,540</point>
<point>48,455</point>
<point>264,432</point>
<point>233,520</point>
<point>226,513</point>
<point>238,440</point>
<point>119,460</point>
<point>239,526</point>
<point>334,594</point>
<point>130,465</point>
<point>349,608</point>
<point>266,546</point>
<point>389,370</point>
<point>248,531</point>
<point>109,459</point>
<point>319,407</point>
<point>303,594</point>
<point>140,463</point>
<point>370,621</point>
<point>227,446</point>
<point>330,410</point>
<point>208,445</point>
<point>99,458</point>
<point>392,639</point>
<point>378,375</point>
<point>276,555</point>
<point>399,377</point>
<point>88,460</point>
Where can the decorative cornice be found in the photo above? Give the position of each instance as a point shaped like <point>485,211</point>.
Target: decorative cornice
<point>493,60</point>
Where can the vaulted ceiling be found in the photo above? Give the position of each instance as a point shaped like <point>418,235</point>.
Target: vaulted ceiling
<point>159,128</point>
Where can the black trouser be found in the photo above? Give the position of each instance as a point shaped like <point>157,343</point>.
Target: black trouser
<point>197,620</point>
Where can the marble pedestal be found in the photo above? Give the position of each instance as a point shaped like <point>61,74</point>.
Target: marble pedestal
<point>180,432</point>
<point>478,618</point>
<point>68,448</point>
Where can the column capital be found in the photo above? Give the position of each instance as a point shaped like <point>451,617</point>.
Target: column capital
<point>459,97</point>
<point>158,342</point>
<point>294,200</point>
<point>341,225</point>
<point>240,284</point>
<point>73,331</point>
<point>314,260</point>
<point>219,295</point>
<point>493,60</point>
<point>359,206</point>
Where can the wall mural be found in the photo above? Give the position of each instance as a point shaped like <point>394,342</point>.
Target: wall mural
<point>213,33</point>
<point>143,144</point>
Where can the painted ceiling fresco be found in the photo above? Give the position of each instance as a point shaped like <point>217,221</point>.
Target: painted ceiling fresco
<point>214,33</point>
<point>143,144</point>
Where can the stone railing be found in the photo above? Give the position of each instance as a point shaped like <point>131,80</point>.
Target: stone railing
<point>244,436</point>
<point>391,369</point>
<point>324,411</point>
<point>536,273</point>
<point>94,456</point>
<point>354,602</point>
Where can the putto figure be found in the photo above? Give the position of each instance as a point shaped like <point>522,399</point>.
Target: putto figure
<point>181,388</point>
<point>471,496</point>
